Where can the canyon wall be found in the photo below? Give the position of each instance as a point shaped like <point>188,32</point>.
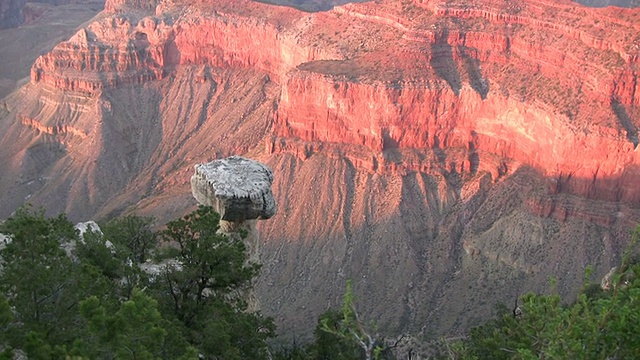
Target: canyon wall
<point>126,49</point>
<point>444,155</point>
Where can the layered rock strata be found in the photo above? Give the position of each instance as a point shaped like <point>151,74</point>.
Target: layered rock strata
<point>413,76</point>
<point>133,49</point>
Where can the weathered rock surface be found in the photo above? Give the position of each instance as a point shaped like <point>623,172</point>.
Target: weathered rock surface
<point>444,155</point>
<point>238,188</point>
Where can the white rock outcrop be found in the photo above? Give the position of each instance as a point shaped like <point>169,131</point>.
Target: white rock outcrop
<point>83,227</point>
<point>236,187</point>
<point>4,241</point>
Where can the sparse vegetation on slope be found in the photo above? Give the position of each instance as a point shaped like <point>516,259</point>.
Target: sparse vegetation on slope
<point>63,295</point>
<point>602,323</point>
<point>94,296</point>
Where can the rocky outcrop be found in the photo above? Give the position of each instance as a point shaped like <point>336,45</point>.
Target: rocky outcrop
<point>239,189</point>
<point>4,241</point>
<point>83,227</point>
<point>53,130</point>
<point>126,49</point>
<point>97,57</point>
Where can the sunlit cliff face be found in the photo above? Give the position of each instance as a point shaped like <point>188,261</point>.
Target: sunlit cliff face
<point>543,85</point>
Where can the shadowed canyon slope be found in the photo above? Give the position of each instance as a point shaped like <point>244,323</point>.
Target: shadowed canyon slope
<point>445,156</point>
<point>42,27</point>
<point>603,3</point>
<point>14,13</point>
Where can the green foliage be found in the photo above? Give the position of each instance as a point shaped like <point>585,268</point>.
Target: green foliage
<point>94,251</point>
<point>345,335</point>
<point>202,291</point>
<point>331,342</point>
<point>132,236</point>
<point>40,282</point>
<point>63,297</point>
<point>119,250</point>
<point>294,352</point>
<point>6,317</point>
<point>341,335</point>
<point>203,274</point>
<point>598,325</point>
<point>136,330</point>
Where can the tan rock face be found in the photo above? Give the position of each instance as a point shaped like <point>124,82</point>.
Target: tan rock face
<point>446,154</point>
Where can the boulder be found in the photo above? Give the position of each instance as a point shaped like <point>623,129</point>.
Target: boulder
<point>237,188</point>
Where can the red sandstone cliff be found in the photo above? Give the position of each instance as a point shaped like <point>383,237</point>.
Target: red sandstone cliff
<point>428,148</point>
<point>130,49</point>
<point>542,84</point>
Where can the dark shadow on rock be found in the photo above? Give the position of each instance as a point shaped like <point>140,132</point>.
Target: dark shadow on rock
<point>618,188</point>
<point>443,62</point>
<point>474,159</point>
<point>172,53</point>
<point>625,121</point>
<point>472,66</point>
<point>605,3</point>
<point>311,5</point>
<point>388,142</point>
<point>440,154</point>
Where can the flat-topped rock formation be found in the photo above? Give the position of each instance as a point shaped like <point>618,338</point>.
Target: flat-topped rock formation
<point>239,189</point>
